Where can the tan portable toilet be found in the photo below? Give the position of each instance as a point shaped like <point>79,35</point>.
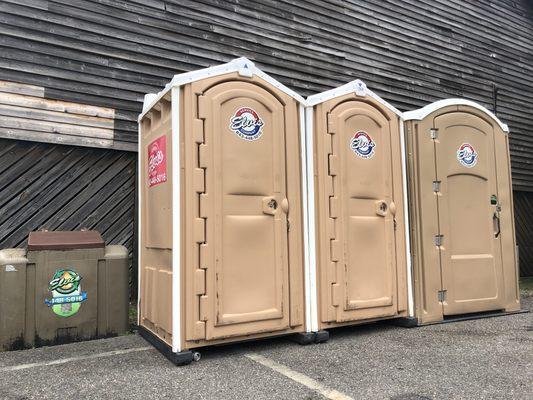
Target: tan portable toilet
<point>358,204</point>
<point>461,211</point>
<point>221,225</point>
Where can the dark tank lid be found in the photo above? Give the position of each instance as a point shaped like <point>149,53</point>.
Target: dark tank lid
<point>64,240</point>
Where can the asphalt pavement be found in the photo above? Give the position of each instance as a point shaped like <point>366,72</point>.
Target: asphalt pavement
<point>488,358</point>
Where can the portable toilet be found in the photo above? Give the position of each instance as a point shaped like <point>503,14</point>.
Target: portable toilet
<point>461,211</point>
<point>357,206</point>
<point>221,231</point>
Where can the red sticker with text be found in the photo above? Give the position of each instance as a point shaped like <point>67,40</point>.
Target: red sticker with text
<point>157,161</point>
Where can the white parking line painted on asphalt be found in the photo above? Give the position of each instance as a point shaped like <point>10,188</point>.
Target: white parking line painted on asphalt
<point>72,359</point>
<point>298,377</point>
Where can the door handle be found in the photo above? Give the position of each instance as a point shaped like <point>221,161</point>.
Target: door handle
<point>285,206</point>
<point>392,208</point>
<point>270,205</point>
<point>496,220</point>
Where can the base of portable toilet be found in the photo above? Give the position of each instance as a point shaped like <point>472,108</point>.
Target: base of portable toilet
<point>412,322</point>
<point>183,357</point>
<point>306,338</point>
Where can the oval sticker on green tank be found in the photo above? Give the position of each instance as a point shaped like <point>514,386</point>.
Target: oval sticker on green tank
<point>67,295</point>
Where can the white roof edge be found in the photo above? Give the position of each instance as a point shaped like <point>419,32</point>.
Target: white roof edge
<point>358,87</point>
<point>242,65</point>
<point>423,112</point>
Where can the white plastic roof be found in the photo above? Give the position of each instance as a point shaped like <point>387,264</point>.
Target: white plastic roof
<point>241,65</point>
<point>423,112</point>
<point>358,87</point>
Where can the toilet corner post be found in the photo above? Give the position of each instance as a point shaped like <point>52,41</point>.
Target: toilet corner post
<point>139,219</point>
<point>176,222</point>
<point>306,125</point>
<point>409,266</point>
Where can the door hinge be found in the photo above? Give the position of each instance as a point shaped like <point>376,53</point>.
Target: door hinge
<point>333,164</point>
<point>438,240</point>
<point>330,123</point>
<point>202,106</point>
<point>198,130</point>
<point>434,133</point>
<point>441,295</point>
<point>204,304</point>
<point>436,186</point>
<point>199,281</point>
<point>335,294</point>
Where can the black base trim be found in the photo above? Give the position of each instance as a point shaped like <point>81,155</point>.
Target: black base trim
<point>404,322</point>
<point>306,338</point>
<point>411,322</point>
<point>466,317</point>
<point>322,337</point>
<point>303,338</point>
<point>182,358</point>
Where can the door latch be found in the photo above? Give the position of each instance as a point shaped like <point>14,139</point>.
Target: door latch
<point>441,295</point>
<point>270,205</point>
<point>436,186</point>
<point>381,208</point>
<point>434,133</point>
<point>438,240</point>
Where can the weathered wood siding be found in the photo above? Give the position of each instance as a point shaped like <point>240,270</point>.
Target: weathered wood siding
<point>26,115</point>
<point>44,186</point>
<point>112,52</point>
<point>523,204</point>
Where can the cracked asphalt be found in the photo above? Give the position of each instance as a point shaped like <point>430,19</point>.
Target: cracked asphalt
<point>489,358</point>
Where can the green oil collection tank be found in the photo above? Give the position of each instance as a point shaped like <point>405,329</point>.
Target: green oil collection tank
<point>66,286</point>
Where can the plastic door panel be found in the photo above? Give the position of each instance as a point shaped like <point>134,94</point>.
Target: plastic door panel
<point>363,211</point>
<point>245,137</point>
<point>470,254</point>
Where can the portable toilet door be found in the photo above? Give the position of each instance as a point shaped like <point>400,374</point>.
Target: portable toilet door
<point>358,206</point>
<point>461,208</point>
<point>223,220</point>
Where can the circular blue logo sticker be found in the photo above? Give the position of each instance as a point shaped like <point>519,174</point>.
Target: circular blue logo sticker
<point>466,155</point>
<point>246,124</point>
<point>363,145</point>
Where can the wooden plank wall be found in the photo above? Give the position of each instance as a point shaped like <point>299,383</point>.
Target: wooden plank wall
<point>111,52</point>
<point>26,115</point>
<point>45,186</point>
<point>523,206</point>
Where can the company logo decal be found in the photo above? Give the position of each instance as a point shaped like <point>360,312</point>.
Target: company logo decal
<point>157,161</point>
<point>363,145</point>
<point>246,124</point>
<point>466,155</point>
<point>67,295</point>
